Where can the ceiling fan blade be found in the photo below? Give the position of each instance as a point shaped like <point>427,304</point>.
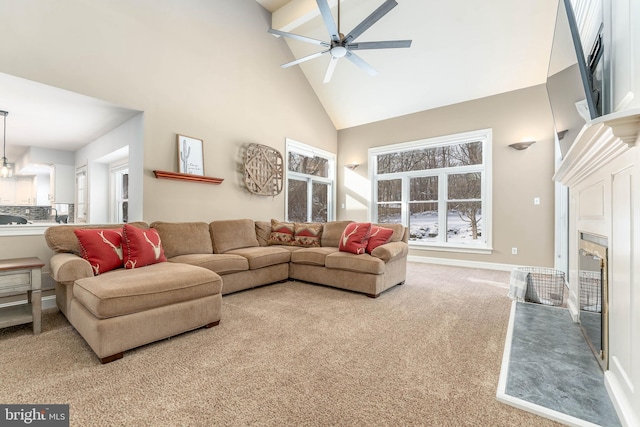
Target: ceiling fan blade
<point>297,37</point>
<point>330,69</point>
<point>390,44</point>
<point>361,63</point>
<point>303,59</point>
<point>370,20</point>
<point>325,10</point>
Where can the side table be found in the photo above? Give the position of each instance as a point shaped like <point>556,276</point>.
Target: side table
<point>17,276</point>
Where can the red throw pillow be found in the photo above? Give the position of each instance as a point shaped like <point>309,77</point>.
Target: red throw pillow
<point>354,238</point>
<point>379,236</point>
<point>101,247</point>
<point>141,247</point>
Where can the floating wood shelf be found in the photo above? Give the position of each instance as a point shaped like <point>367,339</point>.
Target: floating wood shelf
<point>187,177</point>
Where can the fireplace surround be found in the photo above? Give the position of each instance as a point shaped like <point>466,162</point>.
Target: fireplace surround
<point>593,291</point>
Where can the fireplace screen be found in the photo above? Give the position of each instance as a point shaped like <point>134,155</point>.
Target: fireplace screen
<point>592,278</point>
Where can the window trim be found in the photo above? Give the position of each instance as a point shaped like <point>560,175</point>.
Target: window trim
<point>483,135</point>
<point>292,145</point>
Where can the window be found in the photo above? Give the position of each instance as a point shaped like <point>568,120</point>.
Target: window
<point>439,187</point>
<point>310,183</point>
<point>120,193</point>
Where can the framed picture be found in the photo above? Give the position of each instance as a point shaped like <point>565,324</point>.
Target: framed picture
<point>190,155</point>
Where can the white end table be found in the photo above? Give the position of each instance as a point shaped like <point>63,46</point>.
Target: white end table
<point>17,276</point>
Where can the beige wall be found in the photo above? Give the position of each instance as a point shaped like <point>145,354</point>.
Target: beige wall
<point>206,69</point>
<point>518,176</point>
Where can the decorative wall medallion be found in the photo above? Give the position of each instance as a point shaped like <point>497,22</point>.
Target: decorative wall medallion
<point>263,170</point>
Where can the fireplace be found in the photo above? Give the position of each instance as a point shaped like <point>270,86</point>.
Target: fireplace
<point>593,290</point>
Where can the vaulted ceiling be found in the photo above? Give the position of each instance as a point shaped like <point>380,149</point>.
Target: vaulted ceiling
<point>461,50</point>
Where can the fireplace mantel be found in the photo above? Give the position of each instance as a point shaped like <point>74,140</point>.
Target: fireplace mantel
<point>599,142</point>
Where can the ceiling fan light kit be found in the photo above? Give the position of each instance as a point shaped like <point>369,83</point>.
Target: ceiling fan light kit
<point>341,46</point>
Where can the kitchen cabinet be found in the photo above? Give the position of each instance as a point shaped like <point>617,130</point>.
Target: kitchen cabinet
<point>17,191</point>
<point>62,184</point>
<point>7,191</point>
<point>25,191</point>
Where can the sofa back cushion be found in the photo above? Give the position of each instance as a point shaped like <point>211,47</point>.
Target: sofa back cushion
<point>332,231</point>
<point>227,235</point>
<point>184,238</point>
<point>263,232</point>
<point>61,238</point>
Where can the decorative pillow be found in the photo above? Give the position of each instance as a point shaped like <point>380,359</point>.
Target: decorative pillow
<point>101,247</point>
<point>354,237</point>
<point>141,247</point>
<point>282,233</point>
<point>379,236</point>
<point>308,234</point>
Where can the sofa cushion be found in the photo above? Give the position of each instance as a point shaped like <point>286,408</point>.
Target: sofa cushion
<point>363,263</point>
<point>61,238</point>
<point>332,231</point>
<point>379,236</point>
<point>312,256</point>
<point>308,234</point>
<point>260,257</point>
<point>227,235</point>
<point>141,247</point>
<point>120,292</point>
<point>218,263</point>
<point>354,237</point>
<point>181,238</point>
<point>101,247</point>
<point>282,233</point>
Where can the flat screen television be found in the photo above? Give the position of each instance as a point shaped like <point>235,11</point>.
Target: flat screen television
<point>574,80</point>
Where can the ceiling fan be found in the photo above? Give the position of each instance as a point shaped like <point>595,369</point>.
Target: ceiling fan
<point>343,46</point>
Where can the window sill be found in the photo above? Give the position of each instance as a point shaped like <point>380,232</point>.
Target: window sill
<point>450,248</point>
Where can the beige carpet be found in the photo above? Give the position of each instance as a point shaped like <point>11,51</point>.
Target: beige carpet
<point>425,353</point>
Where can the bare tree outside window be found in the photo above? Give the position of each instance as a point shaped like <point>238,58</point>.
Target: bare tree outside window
<point>444,190</point>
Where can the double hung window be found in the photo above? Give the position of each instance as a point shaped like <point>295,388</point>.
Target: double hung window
<point>439,187</point>
<point>310,183</point>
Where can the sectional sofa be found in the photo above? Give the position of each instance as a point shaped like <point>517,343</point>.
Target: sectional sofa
<point>128,307</point>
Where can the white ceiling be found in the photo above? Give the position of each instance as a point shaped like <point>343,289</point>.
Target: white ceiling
<point>49,117</point>
<point>461,50</point>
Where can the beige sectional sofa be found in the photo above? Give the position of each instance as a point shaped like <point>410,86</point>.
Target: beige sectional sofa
<point>125,308</point>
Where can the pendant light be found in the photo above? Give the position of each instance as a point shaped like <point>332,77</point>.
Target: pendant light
<point>5,171</point>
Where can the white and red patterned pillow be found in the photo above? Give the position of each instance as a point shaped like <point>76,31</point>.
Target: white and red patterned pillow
<point>282,233</point>
<point>101,247</point>
<point>355,237</point>
<point>141,247</point>
<point>379,236</point>
<point>308,234</point>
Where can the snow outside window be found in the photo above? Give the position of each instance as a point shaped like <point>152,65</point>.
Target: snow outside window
<point>310,183</point>
<point>439,187</point>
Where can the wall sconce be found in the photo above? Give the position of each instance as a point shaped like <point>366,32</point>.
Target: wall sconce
<point>352,166</point>
<point>521,145</point>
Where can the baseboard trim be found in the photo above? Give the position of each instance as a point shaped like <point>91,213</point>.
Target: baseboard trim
<point>462,263</point>
<point>501,395</point>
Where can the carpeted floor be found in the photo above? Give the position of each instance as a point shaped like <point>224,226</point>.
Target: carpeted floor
<point>425,353</point>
